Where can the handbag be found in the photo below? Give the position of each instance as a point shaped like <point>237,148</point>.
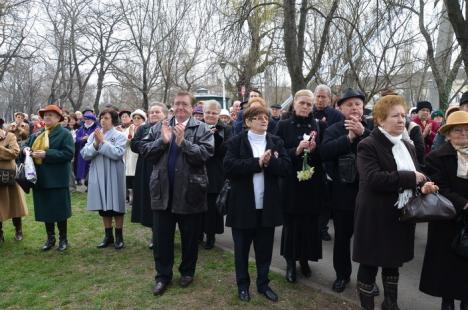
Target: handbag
<point>7,177</point>
<point>222,199</point>
<point>347,170</point>
<point>460,243</point>
<point>21,178</point>
<point>427,208</point>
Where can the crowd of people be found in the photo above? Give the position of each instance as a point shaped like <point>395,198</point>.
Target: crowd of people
<point>295,168</point>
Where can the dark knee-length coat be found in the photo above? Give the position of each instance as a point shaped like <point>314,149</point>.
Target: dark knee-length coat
<point>445,274</point>
<point>240,166</point>
<point>379,238</point>
<point>51,193</point>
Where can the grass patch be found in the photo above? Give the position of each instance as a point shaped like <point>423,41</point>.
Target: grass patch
<point>84,277</point>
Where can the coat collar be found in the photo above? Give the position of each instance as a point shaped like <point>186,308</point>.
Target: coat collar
<point>447,149</point>
<point>245,141</point>
<point>191,122</point>
<point>380,137</point>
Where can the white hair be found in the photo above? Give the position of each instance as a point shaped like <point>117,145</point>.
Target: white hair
<point>209,104</point>
<point>324,88</point>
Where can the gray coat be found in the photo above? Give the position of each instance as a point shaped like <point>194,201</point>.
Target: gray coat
<point>191,180</point>
<point>106,181</point>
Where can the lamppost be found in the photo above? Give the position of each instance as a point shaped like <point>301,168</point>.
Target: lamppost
<point>222,64</point>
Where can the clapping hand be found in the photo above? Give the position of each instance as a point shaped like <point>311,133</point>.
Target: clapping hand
<point>98,136</point>
<point>354,126</point>
<point>264,160</point>
<point>179,131</point>
<point>166,132</point>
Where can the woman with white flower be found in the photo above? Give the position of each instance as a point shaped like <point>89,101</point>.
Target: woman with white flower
<point>255,161</point>
<point>303,187</point>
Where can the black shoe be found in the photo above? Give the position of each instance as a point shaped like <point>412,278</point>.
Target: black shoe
<point>325,236</point>
<point>270,295</point>
<point>339,285</point>
<point>159,288</point>
<point>108,239</point>
<point>49,244</point>
<point>210,241</point>
<point>291,272</point>
<point>63,245</point>
<point>244,295</point>
<point>119,243</point>
<point>185,281</point>
<point>305,269</point>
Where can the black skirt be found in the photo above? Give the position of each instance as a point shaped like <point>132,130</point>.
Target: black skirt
<point>213,222</point>
<point>110,213</point>
<point>300,239</point>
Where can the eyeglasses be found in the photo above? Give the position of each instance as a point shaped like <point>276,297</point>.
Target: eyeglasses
<point>260,118</point>
<point>460,130</point>
<point>181,104</point>
<point>211,113</point>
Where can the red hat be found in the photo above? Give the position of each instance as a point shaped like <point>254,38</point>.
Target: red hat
<point>51,108</point>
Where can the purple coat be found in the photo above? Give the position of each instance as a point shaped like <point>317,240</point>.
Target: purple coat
<point>81,165</point>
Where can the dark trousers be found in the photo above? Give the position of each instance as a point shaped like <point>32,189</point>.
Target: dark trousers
<point>325,213</point>
<point>262,238</point>
<point>164,223</point>
<point>366,274</point>
<point>343,221</point>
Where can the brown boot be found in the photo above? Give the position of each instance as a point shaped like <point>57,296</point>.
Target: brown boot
<point>18,228</point>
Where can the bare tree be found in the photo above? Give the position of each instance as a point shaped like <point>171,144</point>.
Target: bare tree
<point>460,26</point>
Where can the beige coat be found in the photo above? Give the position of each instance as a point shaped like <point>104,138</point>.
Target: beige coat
<point>12,201</point>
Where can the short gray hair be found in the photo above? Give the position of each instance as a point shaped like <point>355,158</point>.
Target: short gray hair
<point>323,87</point>
<point>161,105</point>
<point>209,104</point>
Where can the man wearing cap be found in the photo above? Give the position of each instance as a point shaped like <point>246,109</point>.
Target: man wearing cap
<point>428,127</point>
<point>275,113</point>
<point>225,117</point>
<point>178,148</point>
<point>82,134</point>
<point>339,148</point>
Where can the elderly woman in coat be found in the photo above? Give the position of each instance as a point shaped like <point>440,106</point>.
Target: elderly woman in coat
<point>255,162</point>
<point>303,200</point>
<point>387,168</point>
<point>212,219</point>
<point>12,202</point>
<point>444,273</point>
<point>81,138</point>
<point>106,183</point>
<point>141,204</point>
<point>52,149</point>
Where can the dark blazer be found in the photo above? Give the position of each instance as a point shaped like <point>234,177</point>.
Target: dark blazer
<point>305,197</point>
<point>214,165</point>
<point>56,166</point>
<point>379,238</point>
<point>445,274</point>
<point>334,145</point>
<point>240,166</point>
<point>330,114</point>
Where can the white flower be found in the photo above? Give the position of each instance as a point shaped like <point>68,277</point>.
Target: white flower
<point>306,137</point>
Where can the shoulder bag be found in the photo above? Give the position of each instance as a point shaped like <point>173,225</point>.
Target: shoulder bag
<point>427,208</point>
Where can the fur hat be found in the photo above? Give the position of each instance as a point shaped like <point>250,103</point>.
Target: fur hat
<point>423,104</point>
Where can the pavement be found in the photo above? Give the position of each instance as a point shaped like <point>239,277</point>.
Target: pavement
<point>323,273</point>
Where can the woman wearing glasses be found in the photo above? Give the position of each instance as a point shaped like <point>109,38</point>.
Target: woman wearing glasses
<point>300,240</point>
<point>255,162</point>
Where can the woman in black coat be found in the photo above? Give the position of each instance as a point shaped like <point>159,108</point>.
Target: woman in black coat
<point>445,274</point>
<point>141,205</point>
<point>212,219</point>
<point>339,148</point>
<point>254,163</point>
<point>302,203</point>
<point>386,166</point>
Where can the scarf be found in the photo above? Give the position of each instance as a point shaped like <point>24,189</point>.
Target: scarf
<point>42,142</point>
<point>404,162</point>
<point>462,155</point>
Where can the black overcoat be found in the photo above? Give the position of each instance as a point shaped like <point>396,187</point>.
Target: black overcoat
<point>304,197</point>
<point>335,144</point>
<point>445,274</point>
<point>240,166</point>
<point>214,165</point>
<point>379,238</point>
<point>141,206</point>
